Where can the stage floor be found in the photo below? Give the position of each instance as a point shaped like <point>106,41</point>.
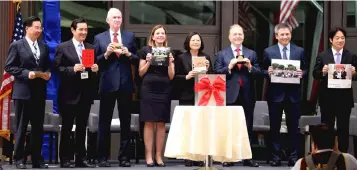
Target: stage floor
<point>169,166</point>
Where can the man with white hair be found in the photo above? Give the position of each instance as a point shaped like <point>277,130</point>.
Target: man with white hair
<point>240,65</point>
<point>115,50</point>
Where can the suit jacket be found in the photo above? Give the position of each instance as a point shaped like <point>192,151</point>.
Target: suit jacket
<point>115,71</point>
<point>344,97</point>
<point>223,59</point>
<point>278,91</point>
<point>19,62</point>
<point>71,87</point>
<point>183,65</point>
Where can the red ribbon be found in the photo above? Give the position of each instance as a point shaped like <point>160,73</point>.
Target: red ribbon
<point>218,85</point>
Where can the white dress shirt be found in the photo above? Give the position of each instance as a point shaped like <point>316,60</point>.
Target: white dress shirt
<point>76,43</point>
<point>31,43</point>
<point>235,52</point>
<point>334,54</point>
<point>112,36</point>
<point>281,47</point>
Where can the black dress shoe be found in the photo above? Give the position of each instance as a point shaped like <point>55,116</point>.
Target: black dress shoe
<point>228,164</point>
<point>104,163</point>
<point>124,164</point>
<point>67,164</point>
<point>275,163</point>
<point>40,166</point>
<point>250,163</point>
<point>291,162</point>
<point>160,164</point>
<point>20,166</point>
<point>84,164</point>
<point>188,163</point>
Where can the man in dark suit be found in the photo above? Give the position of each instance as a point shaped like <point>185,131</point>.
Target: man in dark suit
<point>240,78</point>
<point>335,103</point>
<point>29,62</point>
<point>116,85</point>
<point>75,93</point>
<point>284,97</point>
<point>339,74</point>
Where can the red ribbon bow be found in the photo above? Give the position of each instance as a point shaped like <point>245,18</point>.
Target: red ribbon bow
<point>218,85</point>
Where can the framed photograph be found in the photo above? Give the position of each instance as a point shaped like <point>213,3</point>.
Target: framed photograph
<point>210,90</point>
<point>285,71</point>
<point>339,76</point>
<point>199,64</point>
<point>160,56</point>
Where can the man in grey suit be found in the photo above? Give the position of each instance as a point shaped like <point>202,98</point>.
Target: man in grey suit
<point>29,62</point>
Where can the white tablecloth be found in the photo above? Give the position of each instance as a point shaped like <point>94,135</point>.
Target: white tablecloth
<point>219,131</point>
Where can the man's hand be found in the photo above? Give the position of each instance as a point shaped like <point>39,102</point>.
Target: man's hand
<point>325,70</point>
<point>190,75</point>
<point>126,51</point>
<point>94,68</point>
<point>78,67</point>
<point>299,73</point>
<point>232,63</point>
<point>353,70</point>
<point>247,63</point>
<point>270,70</point>
<point>46,76</point>
<point>32,75</point>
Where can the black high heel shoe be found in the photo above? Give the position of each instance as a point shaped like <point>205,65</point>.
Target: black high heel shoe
<point>150,165</point>
<point>159,165</point>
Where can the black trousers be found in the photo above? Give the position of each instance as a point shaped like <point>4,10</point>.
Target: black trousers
<point>107,104</point>
<point>292,112</point>
<point>330,113</point>
<point>26,111</point>
<point>70,112</point>
<point>248,107</point>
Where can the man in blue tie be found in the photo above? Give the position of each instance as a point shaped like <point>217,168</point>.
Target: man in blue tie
<point>76,92</point>
<point>284,97</point>
<point>335,103</point>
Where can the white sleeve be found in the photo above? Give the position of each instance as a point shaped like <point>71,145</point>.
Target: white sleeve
<point>297,165</point>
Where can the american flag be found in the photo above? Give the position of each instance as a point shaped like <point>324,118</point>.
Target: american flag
<point>7,81</point>
<point>287,8</point>
<point>243,16</point>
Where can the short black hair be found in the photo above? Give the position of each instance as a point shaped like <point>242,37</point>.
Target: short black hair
<point>77,21</point>
<point>28,21</point>
<point>186,44</point>
<point>323,136</point>
<point>333,32</point>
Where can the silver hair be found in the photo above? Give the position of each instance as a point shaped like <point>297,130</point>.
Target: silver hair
<point>111,11</point>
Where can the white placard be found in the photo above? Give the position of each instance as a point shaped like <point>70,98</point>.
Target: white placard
<point>285,71</point>
<point>339,76</point>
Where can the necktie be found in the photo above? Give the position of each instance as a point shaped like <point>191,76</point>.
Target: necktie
<point>80,49</point>
<point>115,39</point>
<point>35,53</point>
<point>284,53</point>
<point>338,58</point>
<point>239,67</point>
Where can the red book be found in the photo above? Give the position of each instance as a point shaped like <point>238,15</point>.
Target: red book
<point>88,57</point>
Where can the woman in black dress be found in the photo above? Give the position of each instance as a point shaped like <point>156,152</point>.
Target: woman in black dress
<point>155,95</point>
<point>185,75</point>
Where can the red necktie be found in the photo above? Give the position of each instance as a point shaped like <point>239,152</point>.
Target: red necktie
<point>115,39</point>
<point>239,67</point>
